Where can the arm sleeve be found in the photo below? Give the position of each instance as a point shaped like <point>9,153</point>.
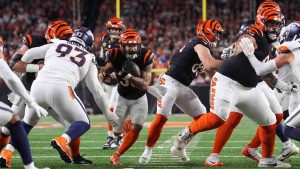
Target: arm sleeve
<point>13,82</point>
<point>35,53</point>
<point>262,68</point>
<point>96,88</point>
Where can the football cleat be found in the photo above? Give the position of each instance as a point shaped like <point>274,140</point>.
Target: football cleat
<point>5,159</point>
<point>213,160</point>
<point>115,159</point>
<point>60,144</point>
<point>110,144</point>
<point>181,153</point>
<point>146,156</point>
<point>252,153</point>
<point>81,161</point>
<point>118,142</point>
<point>288,152</point>
<point>272,162</point>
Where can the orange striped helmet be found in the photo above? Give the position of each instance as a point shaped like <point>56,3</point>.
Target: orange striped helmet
<point>209,30</point>
<point>130,41</point>
<point>268,5</point>
<point>268,15</point>
<point>58,29</point>
<point>115,24</point>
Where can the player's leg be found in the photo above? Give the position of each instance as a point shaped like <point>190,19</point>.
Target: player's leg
<point>164,108</point>
<point>18,107</point>
<point>68,105</point>
<point>292,124</point>
<point>138,111</point>
<point>110,93</point>
<point>222,136</point>
<point>255,106</point>
<point>122,110</point>
<point>18,137</point>
<point>190,104</point>
<point>223,98</point>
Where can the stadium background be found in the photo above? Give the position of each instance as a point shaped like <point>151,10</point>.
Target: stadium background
<point>164,25</point>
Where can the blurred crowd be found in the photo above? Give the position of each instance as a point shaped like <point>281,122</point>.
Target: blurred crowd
<point>164,25</point>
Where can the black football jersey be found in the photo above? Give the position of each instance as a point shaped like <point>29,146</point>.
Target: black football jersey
<point>185,64</point>
<point>108,44</point>
<point>238,67</point>
<point>31,41</point>
<point>117,58</point>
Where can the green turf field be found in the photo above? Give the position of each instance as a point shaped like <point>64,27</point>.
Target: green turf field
<point>93,140</point>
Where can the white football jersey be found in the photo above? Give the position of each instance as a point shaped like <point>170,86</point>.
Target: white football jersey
<point>293,69</point>
<point>64,63</point>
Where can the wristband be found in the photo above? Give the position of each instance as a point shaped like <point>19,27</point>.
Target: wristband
<point>32,68</point>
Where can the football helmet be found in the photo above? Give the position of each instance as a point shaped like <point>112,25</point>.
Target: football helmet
<point>130,41</point>
<point>84,37</point>
<point>210,30</point>
<point>58,29</point>
<point>114,27</point>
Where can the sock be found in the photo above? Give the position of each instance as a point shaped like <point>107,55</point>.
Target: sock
<point>129,139</point>
<point>75,146</point>
<point>224,131</point>
<point>27,128</point>
<point>255,142</point>
<point>285,114</point>
<point>279,130</point>
<point>9,147</point>
<point>4,139</point>
<point>20,140</point>
<point>77,129</point>
<point>30,166</point>
<point>197,117</point>
<point>267,137</point>
<point>5,131</point>
<point>207,121</point>
<point>109,127</point>
<point>110,134</point>
<point>127,126</point>
<point>67,137</point>
<point>291,132</point>
<point>287,143</point>
<point>156,129</point>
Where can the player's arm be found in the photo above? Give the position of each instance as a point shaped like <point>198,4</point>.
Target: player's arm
<point>96,89</point>
<point>31,54</point>
<point>206,58</point>
<point>142,83</point>
<point>273,82</point>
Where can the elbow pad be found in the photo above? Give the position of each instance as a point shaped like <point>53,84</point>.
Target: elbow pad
<point>15,58</point>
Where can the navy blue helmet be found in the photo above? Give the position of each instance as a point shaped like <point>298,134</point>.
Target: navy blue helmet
<point>84,37</point>
<point>245,25</point>
<point>292,31</point>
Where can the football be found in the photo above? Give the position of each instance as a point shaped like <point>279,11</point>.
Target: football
<point>132,68</point>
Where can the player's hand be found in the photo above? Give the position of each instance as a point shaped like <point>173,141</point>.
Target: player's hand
<point>41,65</point>
<point>112,118</point>
<point>101,76</point>
<point>247,47</point>
<point>124,75</point>
<point>294,87</point>
<point>228,52</point>
<point>41,112</point>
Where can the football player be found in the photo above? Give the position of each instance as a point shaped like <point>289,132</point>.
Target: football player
<point>234,85</point>
<point>108,77</point>
<point>56,29</point>
<point>131,99</point>
<point>287,57</point>
<point>185,65</point>
<point>10,119</point>
<point>67,63</point>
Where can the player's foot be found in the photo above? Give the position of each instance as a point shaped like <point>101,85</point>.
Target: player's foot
<point>213,160</point>
<point>181,153</point>
<point>252,153</point>
<point>5,159</point>
<point>146,156</point>
<point>115,159</point>
<point>117,142</point>
<point>110,144</point>
<point>183,138</point>
<point>81,161</point>
<point>60,144</point>
<point>272,162</point>
<point>288,152</point>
